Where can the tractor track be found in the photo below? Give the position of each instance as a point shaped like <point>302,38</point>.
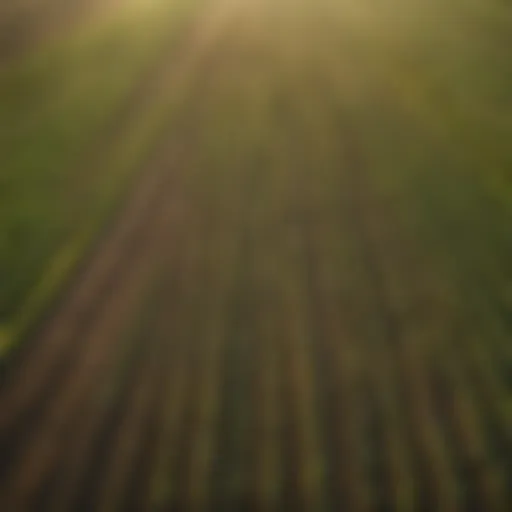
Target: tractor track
<point>71,355</point>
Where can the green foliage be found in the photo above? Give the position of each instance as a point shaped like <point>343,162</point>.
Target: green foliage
<point>59,180</point>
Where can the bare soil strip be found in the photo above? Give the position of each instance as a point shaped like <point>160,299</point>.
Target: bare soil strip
<point>80,340</point>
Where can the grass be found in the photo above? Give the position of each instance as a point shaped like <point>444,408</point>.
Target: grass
<point>343,259</point>
<point>59,183</point>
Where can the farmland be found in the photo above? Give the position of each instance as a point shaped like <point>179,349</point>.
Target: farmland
<point>255,255</point>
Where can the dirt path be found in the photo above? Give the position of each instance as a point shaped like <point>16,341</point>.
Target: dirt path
<point>265,325</point>
<point>70,360</point>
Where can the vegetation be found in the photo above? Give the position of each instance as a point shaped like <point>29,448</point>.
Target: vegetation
<point>76,122</point>
<point>293,228</point>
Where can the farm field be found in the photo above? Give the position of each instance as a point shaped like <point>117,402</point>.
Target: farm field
<point>255,255</point>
